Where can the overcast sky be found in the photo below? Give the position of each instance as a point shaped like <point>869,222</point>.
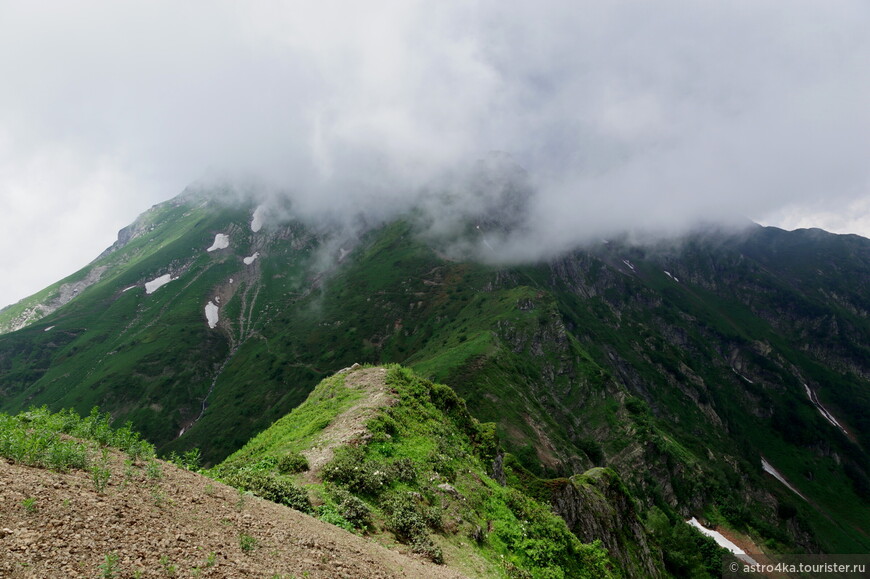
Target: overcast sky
<point>626,114</point>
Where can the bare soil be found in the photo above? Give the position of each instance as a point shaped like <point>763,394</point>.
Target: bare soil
<point>179,525</point>
<point>349,426</point>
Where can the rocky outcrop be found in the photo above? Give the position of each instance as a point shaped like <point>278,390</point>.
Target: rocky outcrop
<point>62,296</point>
<point>596,505</point>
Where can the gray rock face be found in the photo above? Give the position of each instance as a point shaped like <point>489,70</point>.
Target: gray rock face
<point>595,505</point>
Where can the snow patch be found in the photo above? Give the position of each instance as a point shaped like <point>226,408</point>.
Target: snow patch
<point>628,263</point>
<point>766,467</point>
<point>48,328</point>
<point>221,241</point>
<point>741,375</point>
<point>257,219</point>
<point>251,258</point>
<point>211,314</point>
<point>126,289</point>
<point>157,283</point>
<point>722,541</point>
<point>231,280</point>
<point>822,410</point>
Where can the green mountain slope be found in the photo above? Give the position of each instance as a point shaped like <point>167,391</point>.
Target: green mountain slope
<point>386,453</point>
<point>679,365</point>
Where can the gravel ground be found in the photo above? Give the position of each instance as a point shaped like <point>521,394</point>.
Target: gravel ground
<point>179,525</point>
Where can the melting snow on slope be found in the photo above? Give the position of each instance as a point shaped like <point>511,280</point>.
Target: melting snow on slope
<point>257,219</point>
<point>251,258</point>
<point>126,289</point>
<point>822,410</point>
<point>211,314</point>
<point>221,241</point>
<point>48,328</point>
<point>628,263</point>
<point>157,283</point>
<point>766,467</point>
<point>722,541</point>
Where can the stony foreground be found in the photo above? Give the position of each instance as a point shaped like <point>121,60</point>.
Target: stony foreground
<point>179,524</point>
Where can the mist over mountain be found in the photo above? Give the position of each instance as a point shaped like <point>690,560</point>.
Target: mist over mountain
<point>720,373</point>
<point>626,116</point>
<point>546,214</point>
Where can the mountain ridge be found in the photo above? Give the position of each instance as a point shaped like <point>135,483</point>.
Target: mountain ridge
<point>680,364</point>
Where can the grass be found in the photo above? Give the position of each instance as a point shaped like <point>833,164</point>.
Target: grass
<point>295,431</point>
<point>169,568</point>
<point>29,504</point>
<point>426,439</point>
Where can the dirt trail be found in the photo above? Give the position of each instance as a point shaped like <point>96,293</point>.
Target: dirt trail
<point>181,525</point>
<point>350,425</point>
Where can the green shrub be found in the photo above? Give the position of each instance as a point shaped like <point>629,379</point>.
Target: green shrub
<point>350,469</point>
<point>110,567</point>
<point>425,546</point>
<point>592,449</point>
<point>27,440</point>
<point>442,463</point>
<point>33,438</point>
<point>291,463</point>
<point>404,517</point>
<point>100,475</point>
<point>29,504</point>
<point>402,470</point>
<point>352,508</point>
<point>153,469</point>
<point>247,543</point>
<point>329,514</point>
<point>271,487</point>
<point>382,427</point>
<point>636,406</point>
<point>486,441</point>
<point>190,460</point>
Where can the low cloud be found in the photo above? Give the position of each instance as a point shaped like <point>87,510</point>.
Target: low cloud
<point>625,115</point>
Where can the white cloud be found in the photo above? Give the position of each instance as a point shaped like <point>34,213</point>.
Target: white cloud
<point>626,113</point>
<point>853,217</point>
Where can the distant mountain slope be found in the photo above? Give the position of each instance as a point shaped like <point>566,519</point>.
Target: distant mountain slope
<point>682,365</point>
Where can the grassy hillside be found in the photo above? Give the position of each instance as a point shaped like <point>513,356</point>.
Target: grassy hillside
<point>407,462</point>
<point>677,365</point>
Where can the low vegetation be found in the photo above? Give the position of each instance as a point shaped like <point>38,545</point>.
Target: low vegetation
<point>418,474</point>
<point>172,522</point>
<point>64,440</point>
